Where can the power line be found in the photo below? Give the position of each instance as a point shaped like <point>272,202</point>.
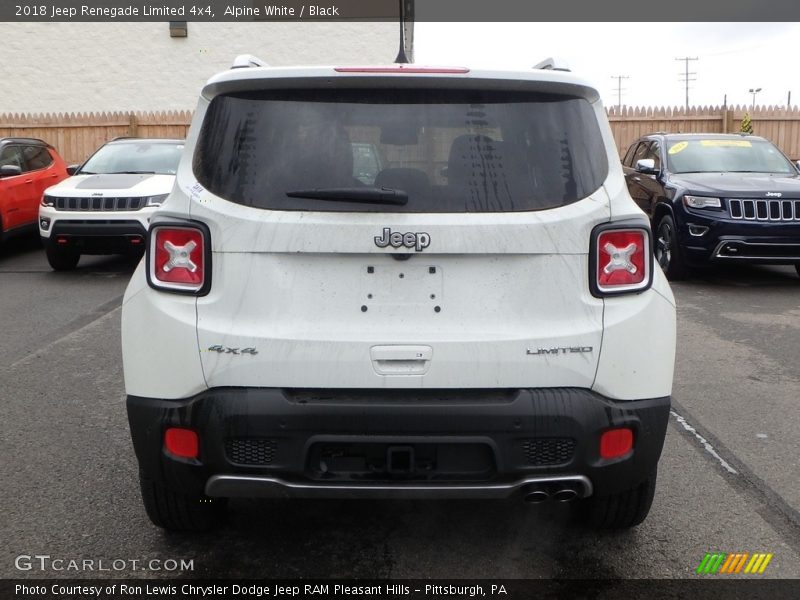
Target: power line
<point>686,75</point>
<point>620,89</point>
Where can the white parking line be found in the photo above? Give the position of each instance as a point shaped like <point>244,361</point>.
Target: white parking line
<point>704,442</point>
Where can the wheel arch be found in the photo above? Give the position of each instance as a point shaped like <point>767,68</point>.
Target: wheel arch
<point>662,208</point>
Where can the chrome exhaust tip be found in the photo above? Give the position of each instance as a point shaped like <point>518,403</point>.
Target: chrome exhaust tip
<point>565,495</point>
<point>535,496</point>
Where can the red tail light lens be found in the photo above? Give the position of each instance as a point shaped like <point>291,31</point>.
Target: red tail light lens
<point>623,260</point>
<point>616,442</point>
<point>183,443</point>
<point>178,258</point>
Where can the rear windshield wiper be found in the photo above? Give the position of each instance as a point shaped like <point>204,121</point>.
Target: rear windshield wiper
<point>375,195</point>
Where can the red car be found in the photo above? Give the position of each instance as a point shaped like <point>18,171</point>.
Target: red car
<point>27,168</point>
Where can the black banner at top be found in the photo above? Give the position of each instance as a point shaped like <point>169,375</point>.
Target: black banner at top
<point>388,10</point>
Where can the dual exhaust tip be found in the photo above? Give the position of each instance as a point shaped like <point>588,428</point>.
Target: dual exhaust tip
<point>560,492</point>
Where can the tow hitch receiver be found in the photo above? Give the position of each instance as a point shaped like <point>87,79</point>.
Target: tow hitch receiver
<point>400,460</point>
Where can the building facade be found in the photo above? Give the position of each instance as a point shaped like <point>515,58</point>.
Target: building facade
<point>82,67</point>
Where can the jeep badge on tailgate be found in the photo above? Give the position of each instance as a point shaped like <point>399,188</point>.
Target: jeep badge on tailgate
<point>419,241</point>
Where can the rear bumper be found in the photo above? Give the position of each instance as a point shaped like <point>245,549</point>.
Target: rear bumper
<point>396,443</point>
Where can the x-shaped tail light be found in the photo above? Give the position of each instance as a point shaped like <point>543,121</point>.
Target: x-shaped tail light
<point>180,256</point>
<point>620,258</point>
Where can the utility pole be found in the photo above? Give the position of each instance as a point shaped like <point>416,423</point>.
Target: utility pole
<point>686,74</point>
<point>619,79</point>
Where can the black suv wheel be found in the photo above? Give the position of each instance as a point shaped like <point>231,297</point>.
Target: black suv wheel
<point>617,511</point>
<point>668,254</point>
<point>180,512</point>
<point>61,259</point>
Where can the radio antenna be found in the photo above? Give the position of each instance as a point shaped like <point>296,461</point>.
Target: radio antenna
<point>401,54</point>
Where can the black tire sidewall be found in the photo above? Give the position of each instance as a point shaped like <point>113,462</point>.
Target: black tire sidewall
<point>676,269</point>
<point>61,259</point>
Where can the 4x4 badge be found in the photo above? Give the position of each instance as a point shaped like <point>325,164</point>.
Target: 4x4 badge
<point>226,350</point>
<point>419,241</point>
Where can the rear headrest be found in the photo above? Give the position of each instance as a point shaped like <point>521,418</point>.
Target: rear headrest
<point>325,156</point>
<point>468,158</point>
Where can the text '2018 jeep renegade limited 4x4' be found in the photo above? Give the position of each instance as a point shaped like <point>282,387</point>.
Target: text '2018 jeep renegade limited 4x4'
<point>480,318</point>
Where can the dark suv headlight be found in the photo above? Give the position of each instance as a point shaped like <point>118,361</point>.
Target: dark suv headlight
<point>701,202</point>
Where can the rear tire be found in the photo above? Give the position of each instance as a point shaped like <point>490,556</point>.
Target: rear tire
<point>667,252</point>
<point>61,259</point>
<point>623,510</point>
<point>797,268</point>
<point>180,512</point>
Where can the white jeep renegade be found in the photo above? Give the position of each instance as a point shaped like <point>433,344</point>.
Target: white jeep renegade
<point>470,311</point>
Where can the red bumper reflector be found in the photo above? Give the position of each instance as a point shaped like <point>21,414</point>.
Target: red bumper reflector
<point>616,442</point>
<point>181,442</point>
<point>61,240</point>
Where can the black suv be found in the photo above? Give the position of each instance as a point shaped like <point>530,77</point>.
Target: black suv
<point>716,197</point>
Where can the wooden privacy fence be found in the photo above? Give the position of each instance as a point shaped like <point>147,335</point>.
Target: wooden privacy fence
<point>76,136</point>
<point>780,125</point>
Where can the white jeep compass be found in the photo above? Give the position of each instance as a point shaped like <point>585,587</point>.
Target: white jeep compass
<point>474,315</point>
<point>105,207</point>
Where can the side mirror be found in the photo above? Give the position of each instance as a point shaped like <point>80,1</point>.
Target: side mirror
<point>647,166</point>
<point>72,168</point>
<point>10,170</point>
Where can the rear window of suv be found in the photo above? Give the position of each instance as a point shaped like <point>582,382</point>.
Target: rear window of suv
<point>445,150</point>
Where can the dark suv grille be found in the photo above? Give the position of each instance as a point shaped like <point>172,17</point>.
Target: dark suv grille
<point>251,451</point>
<point>99,204</point>
<point>764,210</point>
<point>548,451</point>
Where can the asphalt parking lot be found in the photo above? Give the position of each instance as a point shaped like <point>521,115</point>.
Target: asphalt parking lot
<point>728,479</point>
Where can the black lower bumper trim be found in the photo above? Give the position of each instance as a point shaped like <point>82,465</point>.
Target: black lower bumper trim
<point>99,236</point>
<point>766,252</point>
<point>365,442</point>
